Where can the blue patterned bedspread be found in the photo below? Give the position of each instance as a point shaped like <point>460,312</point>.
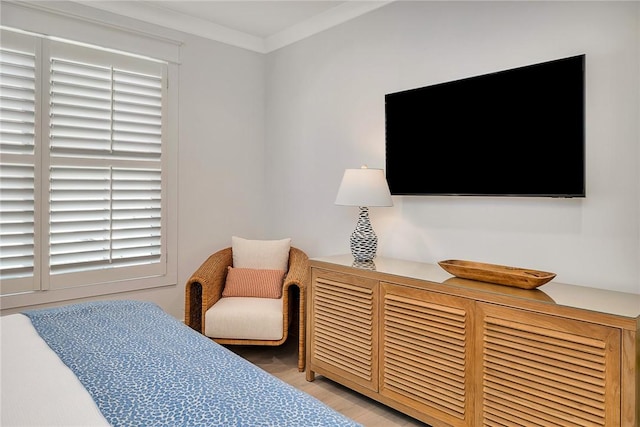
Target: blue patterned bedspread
<point>145,368</point>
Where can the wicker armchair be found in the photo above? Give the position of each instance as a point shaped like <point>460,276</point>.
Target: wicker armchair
<point>205,287</point>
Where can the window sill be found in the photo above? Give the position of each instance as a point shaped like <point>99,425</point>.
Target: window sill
<point>32,298</point>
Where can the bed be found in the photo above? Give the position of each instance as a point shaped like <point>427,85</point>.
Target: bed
<point>127,363</point>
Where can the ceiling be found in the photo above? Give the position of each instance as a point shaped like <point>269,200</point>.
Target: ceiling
<point>262,26</point>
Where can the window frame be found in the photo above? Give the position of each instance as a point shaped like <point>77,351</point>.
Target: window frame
<point>93,283</point>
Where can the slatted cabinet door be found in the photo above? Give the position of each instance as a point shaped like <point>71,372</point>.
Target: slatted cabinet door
<point>540,370</point>
<point>344,327</point>
<point>426,354</point>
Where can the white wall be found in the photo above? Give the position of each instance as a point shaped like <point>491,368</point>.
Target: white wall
<point>325,113</point>
<point>221,160</point>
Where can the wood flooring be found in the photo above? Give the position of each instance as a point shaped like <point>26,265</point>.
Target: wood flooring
<point>282,362</point>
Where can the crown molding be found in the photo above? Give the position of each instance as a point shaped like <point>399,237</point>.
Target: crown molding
<point>323,21</point>
<point>206,29</point>
<point>179,22</point>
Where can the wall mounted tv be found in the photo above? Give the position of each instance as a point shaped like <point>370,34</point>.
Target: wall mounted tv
<point>519,132</point>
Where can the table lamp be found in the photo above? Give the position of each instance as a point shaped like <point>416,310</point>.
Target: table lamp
<point>364,188</point>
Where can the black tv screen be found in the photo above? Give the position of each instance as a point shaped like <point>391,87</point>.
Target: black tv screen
<point>518,132</point>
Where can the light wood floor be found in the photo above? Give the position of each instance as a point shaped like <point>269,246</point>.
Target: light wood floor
<point>282,363</point>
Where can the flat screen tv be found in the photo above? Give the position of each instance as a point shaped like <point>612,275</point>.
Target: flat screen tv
<point>519,132</point>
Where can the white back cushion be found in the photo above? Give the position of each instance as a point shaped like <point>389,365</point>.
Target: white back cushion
<point>260,254</point>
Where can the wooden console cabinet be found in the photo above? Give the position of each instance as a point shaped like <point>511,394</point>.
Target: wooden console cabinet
<point>456,352</point>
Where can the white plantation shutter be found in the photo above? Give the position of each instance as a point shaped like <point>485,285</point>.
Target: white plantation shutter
<point>106,181</point>
<point>17,98</point>
<point>80,218</point>
<point>17,221</point>
<point>136,215</point>
<point>103,112</point>
<point>17,162</point>
<point>104,217</point>
<point>84,182</point>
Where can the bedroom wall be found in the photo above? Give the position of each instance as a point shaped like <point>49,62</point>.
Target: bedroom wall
<point>325,113</point>
<point>221,158</point>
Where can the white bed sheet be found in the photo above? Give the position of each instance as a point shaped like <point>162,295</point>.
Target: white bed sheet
<point>37,389</point>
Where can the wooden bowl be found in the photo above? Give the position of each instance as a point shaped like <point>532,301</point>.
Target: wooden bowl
<point>501,274</point>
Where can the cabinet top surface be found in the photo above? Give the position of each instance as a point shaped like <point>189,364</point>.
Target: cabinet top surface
<point>599,300</point>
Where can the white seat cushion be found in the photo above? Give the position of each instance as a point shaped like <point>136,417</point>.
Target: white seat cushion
<point>245,318</point>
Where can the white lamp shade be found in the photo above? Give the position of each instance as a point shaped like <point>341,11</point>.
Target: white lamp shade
<point>364,187</point>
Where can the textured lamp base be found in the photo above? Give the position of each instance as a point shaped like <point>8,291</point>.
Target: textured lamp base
<point>364,242</point>
<point>364,265</point>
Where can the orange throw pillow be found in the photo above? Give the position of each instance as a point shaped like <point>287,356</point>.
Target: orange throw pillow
<point>249,282</point>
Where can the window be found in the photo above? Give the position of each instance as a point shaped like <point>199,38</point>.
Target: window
<point>83,171</point>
